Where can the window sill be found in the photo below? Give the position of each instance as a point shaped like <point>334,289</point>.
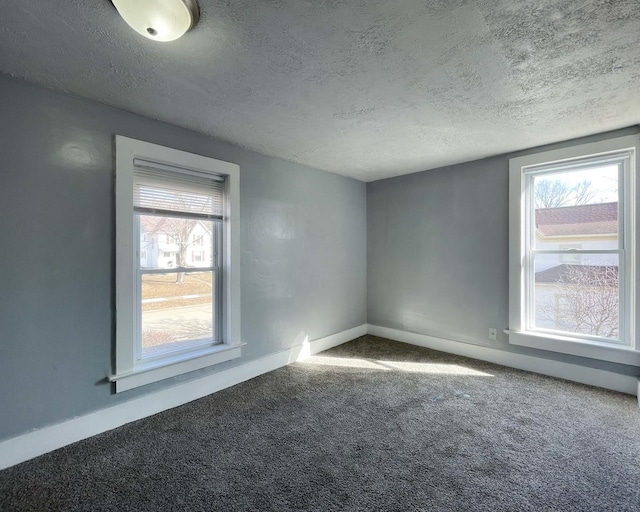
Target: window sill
<point>176,365</point>
<point>592,350</point>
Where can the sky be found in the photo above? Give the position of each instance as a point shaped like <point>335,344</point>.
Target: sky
<point>604,180</point>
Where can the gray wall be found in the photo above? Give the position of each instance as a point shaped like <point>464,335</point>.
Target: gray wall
<point>303,248</point>
<point>437,254</point>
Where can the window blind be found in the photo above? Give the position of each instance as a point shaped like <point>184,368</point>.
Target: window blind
<point>177,190</point>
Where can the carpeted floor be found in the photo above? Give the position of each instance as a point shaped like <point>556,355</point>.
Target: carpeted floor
<point>369,425</point>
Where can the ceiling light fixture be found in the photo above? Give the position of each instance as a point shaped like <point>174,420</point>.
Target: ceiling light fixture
<point>160,20</point>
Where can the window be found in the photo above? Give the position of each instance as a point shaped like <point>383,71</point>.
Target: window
<point>573,268</point>
<point>172,317</point>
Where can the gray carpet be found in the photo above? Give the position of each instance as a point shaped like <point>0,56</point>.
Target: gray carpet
<point>369,425</point>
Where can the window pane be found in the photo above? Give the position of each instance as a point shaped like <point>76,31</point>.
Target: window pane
<point>169,242</point>
<point>577,208</point>
<point>177,311</point>
<point>578,298</point>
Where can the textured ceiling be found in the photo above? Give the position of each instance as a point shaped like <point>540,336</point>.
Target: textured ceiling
<point>364,88</point>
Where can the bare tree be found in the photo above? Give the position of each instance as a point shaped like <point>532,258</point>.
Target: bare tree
<point>178,231</point>
<point>550,193</point>
<point>587,300</point>
<point>584,193</point>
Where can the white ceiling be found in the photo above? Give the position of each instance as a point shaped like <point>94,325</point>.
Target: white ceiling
<point>365,88</point>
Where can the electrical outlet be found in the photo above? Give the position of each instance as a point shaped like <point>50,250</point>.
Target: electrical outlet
<point>493,334</point>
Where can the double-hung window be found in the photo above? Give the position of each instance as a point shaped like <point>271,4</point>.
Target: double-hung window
<point>177,283</point>
<point>573,246</point>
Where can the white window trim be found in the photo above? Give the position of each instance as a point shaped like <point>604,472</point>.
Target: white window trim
<point>128,375</point>
<point>518,335</point>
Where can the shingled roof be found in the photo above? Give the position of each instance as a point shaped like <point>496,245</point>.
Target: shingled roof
<point>594,275</point>
<point>588,219</point>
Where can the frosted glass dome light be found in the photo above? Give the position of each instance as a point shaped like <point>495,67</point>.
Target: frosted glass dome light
<point>160,20</point>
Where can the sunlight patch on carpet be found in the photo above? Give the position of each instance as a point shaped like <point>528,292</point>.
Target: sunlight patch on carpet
<point>383,365</point>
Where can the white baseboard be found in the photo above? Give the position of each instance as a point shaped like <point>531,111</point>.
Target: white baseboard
<point>591,376</point>
<point>39,442</point>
